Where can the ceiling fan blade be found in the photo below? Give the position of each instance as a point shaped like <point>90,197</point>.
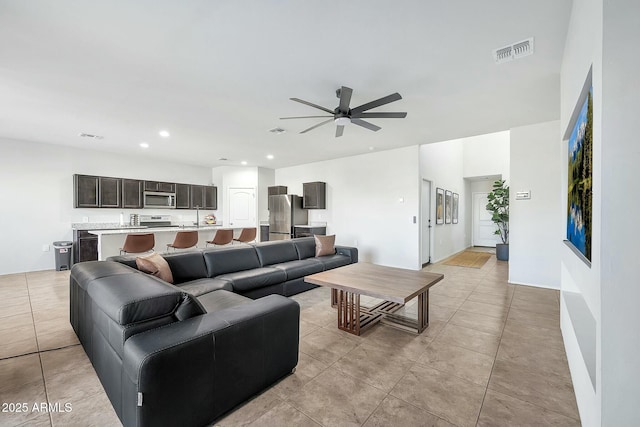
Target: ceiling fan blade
<point>345,98</point>
<point>364,124</point>
<point>311,105</point>
<point>318,125</point>
<point>339,130</point>
<point>377,103</point>
<point>380,115</point>
<point>303,117</point>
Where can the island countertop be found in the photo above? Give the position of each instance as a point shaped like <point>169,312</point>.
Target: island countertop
<point>146,229</point>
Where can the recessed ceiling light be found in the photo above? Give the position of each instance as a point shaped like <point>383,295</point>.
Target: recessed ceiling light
<point>164,133</point>
<point>269,156</point>
<point>372,148</point>
<point>144,145</point>
<point>243,163</point>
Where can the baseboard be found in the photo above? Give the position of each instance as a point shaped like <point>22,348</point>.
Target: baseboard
<point>533,285</point>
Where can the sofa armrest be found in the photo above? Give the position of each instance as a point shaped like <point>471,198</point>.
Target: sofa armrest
<point>193,371</point>
<point>350,251</point>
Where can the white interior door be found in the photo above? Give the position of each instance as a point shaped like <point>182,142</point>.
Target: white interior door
<point>242,207</point>
<point>483,228</point>
<point>425,226</point>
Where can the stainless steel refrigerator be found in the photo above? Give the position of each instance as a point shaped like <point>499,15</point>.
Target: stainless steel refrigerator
<point>285,211</point>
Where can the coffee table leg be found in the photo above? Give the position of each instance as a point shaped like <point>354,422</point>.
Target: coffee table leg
<point>423,311</point>
<point>348,311</point>
<point>334,298</point>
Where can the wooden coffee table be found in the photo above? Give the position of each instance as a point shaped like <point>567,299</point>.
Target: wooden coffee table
<point>396,286</point>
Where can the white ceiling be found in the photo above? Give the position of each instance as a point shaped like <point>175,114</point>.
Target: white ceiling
<point>219,74</point>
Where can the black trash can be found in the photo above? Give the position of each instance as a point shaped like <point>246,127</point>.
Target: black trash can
<point>63,255</point>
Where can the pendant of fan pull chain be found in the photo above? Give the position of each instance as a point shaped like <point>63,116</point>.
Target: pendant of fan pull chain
<point>342,115</point>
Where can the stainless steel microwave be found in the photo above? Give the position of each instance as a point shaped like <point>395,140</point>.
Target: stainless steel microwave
<point>155,199</point>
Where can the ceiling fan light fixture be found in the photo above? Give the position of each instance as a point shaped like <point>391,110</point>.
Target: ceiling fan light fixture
<point>342,121</point>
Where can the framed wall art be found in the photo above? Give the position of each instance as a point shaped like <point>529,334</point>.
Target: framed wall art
<point>454,214</point>
<point>439,206</point>
<point>447,207</point>
<point>580,175</point>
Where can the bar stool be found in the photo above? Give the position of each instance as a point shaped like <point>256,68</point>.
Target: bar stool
<point>222,237</point>
<point>246,235</point>
<point>138,243</point>
<point>184,240</point>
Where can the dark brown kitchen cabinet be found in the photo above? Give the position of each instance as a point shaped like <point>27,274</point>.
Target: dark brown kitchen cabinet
<point>183,199</point>
<point>164,187</point>
<point>210,197</point>
<point>131,193</point>
<point>85,191</point>
<point>204,197</point>
<point>85,246</point>
<point>276,190</point>
<point>314,195</point>
<point>109,192</point>
<point>197,197</point>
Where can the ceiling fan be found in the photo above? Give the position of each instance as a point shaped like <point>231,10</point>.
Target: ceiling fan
<point>343,115</point>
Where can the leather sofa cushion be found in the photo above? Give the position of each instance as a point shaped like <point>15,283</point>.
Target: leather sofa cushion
<point>134,297</point>
<point>229,260</point>
<point>186,266</point>
<point>333,261</point>
<point>96,269</point>
<point>276,252</point>
<point>203,286</point>
<point>256,278</point>
<point>300,268</point>
<point>221,299</point>
<point>306,247</point>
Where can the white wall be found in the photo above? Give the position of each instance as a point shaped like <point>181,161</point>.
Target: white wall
<point>487,155</point>
<point>443,164</point>
<point>266,178</point>
<point>447,164</point>
<point>37,196</point>
<point>620,204</point>
<point>534,225</point>
<point>598,35</point>
<point>364,206</point>
<point>582,50</point>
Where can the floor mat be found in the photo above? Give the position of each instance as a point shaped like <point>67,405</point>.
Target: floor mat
<point>469,259</point>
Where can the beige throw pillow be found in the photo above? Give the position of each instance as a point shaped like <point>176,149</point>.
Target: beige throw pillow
<point>325,245</point>
<point>155,265</point>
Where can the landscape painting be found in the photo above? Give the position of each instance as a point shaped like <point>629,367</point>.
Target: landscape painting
<point>447,207</point>
<point>579,200</point>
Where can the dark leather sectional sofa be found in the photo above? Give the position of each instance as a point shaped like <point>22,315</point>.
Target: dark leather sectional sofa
<point>187,353</point>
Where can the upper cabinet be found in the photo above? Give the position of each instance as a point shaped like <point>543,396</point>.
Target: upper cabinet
<point>183,196</point>
<point>85,191</point>
<point>204,197</point>
<point>96,192</point>
<point>107,192</point>
<point>314,195</point>
<point>132,193</point>
<point>164,187</point>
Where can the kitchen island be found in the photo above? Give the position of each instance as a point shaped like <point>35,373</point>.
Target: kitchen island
<point>111,240</point>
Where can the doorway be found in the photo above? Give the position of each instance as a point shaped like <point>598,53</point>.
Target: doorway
<point>425,222</point>
<point>242,207</point>
<point>483,227</point>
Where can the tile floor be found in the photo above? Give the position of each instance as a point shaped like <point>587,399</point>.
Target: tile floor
<point>492,356</point>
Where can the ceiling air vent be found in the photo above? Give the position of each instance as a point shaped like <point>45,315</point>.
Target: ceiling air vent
<point>277,131</point>
<point>88,135</point>
<point>513,51</point>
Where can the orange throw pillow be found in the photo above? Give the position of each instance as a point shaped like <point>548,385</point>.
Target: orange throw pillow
<point>325,245</point>
<point>155,265</point>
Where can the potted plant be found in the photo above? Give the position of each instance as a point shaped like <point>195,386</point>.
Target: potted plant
<point>499,207</point>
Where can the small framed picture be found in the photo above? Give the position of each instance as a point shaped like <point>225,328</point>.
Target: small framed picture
<point>439,206</point>
<point>447,207</point>
<point>454,215</point>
